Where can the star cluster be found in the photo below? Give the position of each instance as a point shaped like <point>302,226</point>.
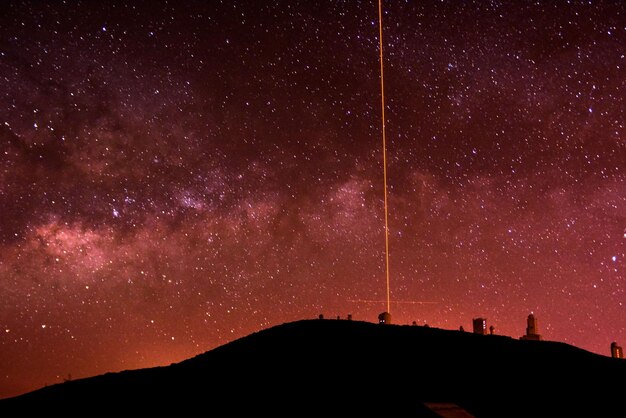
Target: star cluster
<point>176,175</point>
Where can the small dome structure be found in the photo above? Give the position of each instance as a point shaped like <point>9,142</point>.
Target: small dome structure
<point>384,318</point>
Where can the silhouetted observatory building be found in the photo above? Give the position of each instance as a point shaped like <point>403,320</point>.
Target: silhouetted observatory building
<point>616,351</point>
<point>384,318</point>
<point>480,326</point>
<point>531,329</point>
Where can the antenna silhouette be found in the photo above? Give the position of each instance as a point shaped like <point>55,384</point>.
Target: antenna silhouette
<point>382,107</point>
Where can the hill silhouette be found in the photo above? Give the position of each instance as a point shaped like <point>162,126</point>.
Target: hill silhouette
<point>316,367</point>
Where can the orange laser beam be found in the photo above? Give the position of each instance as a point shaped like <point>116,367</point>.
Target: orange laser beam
<point>414,302</point>
<point>382,106</point>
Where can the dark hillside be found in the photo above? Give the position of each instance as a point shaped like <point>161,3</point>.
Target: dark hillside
<point>330,366</point>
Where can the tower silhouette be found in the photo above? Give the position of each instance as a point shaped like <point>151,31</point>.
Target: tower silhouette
<point>616,350</point>
<point>532,330</point>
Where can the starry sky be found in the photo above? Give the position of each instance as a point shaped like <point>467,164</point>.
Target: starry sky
<point>176,175</point>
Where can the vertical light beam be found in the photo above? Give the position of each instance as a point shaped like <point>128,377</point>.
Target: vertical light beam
<point>382,106</point>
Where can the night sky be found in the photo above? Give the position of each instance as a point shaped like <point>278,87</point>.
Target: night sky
<point>176,175</point>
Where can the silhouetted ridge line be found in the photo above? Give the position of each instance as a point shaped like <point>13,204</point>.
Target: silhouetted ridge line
<point>315,366</point>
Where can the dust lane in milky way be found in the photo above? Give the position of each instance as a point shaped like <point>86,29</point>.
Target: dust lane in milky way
<point>178,175</point>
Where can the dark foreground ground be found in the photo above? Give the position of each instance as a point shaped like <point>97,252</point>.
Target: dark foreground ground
<point>332,367</point>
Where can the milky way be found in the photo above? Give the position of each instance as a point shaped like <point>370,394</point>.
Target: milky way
<point>177,175</point>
